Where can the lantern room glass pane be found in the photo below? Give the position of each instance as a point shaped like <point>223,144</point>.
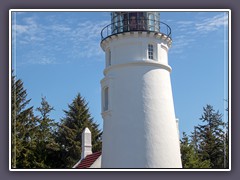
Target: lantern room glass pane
<point>151,22</point>
<point>134,21</point>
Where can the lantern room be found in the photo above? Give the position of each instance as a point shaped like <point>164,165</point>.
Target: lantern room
<point>122,22</point>
<point>133,21</point>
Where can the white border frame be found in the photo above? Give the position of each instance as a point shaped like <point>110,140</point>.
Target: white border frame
<point>109,10</point>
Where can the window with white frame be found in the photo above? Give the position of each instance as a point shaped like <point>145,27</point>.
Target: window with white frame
<point>105,99</point>
<point>150,51</point>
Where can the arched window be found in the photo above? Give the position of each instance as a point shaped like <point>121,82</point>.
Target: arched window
<point>108,58</point>
<point>105,99</point>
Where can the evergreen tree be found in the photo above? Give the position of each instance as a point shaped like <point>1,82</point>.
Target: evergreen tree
<point>226,145</point>
<point>46,130</point>
<point>211,137</point>
<point>190,158</point>
<point>70,132</point>
<point>23,125</point>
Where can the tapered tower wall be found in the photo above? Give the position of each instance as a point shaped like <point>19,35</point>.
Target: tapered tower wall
<point>139,129</point>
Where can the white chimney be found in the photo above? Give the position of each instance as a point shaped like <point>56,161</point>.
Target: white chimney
<point>86,143</point>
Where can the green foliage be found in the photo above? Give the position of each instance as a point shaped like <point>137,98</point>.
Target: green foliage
<point>23,125</point>
<point>39,142</point>
<point>46,130</point>
<point>32,138</point>
<point>211,137</point>
<point>190,158</point>
<point>209,144</point>
<point>70,132</point>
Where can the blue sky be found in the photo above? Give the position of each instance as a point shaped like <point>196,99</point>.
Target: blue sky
<point>58,54</point>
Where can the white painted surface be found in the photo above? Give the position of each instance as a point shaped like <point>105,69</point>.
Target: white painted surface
<point>97,163</point>
<point>139,128</point>
<point>86,143</point>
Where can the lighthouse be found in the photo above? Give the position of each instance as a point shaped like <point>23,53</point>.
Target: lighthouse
<point>139,123</point>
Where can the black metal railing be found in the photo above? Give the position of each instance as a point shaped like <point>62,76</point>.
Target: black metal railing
<point>140,25</point>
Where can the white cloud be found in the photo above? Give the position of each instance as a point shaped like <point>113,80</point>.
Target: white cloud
<point>42,61</point>
<point>60,28</point>
<point>76,42</point>
<point>28,32</point>
<point>20,28</point>
<point>212,24</point>
<point>85,39</point>
<point>187,32</point>
<point>79,39</point>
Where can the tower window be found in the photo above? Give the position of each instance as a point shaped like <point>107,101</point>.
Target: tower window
<point>105,97</point>
<point>108,58</point>
<point>150,51</point>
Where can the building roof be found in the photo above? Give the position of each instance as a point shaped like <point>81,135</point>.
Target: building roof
<point>89,160</point>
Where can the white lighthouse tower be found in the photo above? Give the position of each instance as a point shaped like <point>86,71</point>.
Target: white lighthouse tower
<point>139,129</point>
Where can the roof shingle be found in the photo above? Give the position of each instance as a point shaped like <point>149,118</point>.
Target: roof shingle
<point>88,160</point>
